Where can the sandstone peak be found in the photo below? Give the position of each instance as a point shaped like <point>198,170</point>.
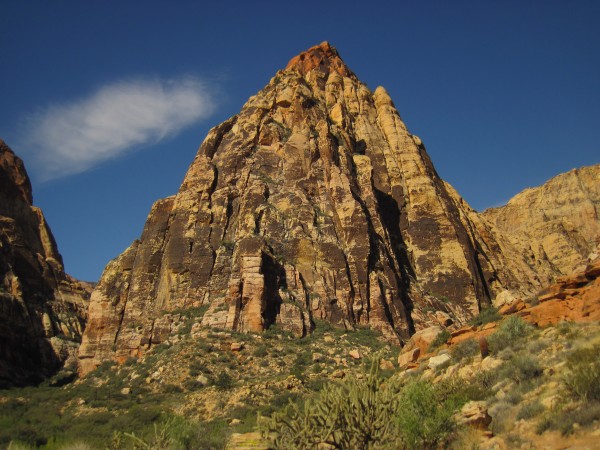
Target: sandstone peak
<point>323,57</point>
<point>313,203</point>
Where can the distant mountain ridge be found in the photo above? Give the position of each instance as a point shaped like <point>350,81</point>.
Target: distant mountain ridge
<point>316,202</point>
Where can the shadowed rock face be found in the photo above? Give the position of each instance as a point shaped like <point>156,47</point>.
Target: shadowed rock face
<point>42,310</point>
<point>314,202</point>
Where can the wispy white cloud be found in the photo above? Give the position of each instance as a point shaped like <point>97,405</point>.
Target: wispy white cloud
<point>71,138</point>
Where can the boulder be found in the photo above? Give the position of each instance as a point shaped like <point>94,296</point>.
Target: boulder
<point>354,354</point>
<point>475,414</point>
<point>407,357</point>
<point>439,361</point>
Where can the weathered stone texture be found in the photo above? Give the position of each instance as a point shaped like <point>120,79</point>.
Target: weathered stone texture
<point>314,202</point>
<point>549,230</point>
<point>42,310</point>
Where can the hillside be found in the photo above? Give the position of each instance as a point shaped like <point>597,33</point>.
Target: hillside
<point>537,387</point>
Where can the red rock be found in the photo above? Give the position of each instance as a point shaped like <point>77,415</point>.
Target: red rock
<point>406,358</point>
<point>512,308</point>
<point>468,329</point>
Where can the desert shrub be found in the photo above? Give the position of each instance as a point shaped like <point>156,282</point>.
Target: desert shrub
<point>456,390</point>
<point>583,415</point>
<point>537,346</point>
<point>224,381</point>
<point>564,419</point>
<point>424,421</point>
<point>521,368</point>
<point>549,421</point>
<point>511,330</point>
<point>530,410</point>
<point>440,340</point>
<point>513,397</point>
<point>261,351</point>
<point>501,417</point>
<point>172,432</point>
<point>192,385</point>
<point>170,388</point>
<point>213,435</point>
<point>465,349</point>
<point>316,384</point>
<point>568,329</point>
<point>582,379</point>
<point>299,365</point>
<point>367,337</point>
<point>198,366</point>
<point>486,315</point>
<point>515,327</point>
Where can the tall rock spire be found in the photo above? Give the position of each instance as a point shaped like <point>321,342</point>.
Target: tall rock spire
<point>314,202</point>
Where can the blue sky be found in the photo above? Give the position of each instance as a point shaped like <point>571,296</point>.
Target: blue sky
<point>107,102</point>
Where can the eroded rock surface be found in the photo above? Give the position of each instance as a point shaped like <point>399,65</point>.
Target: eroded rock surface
<point>314,202</point>
<point>550,230</point>
<point>42,310</point>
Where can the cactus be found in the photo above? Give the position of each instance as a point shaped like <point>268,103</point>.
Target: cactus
<point>355,414</point>
<point>367,414</point>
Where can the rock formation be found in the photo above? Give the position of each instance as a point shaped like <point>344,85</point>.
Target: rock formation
<point>42,310</point>
<point>314,202</point>
<point>550,230</point>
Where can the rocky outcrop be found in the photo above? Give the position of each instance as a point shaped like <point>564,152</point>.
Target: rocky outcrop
<point>42,310</point>
<point>573,298</point>
<point>314,202</point>
<point>547,231</point>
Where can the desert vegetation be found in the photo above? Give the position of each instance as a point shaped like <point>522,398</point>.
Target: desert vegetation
<point>197,392</point>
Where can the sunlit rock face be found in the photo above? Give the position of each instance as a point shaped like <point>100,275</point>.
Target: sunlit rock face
<point>42,310</point>
<point>314,202</point>
<point>550,230</point>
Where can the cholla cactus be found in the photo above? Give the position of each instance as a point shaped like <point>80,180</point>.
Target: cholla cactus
<point>355,414</point>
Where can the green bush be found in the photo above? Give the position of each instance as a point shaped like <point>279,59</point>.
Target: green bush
<point>511,330</point>
<point>530,410</point>
<point>515,327</point>
<point>465,349</point>
<point>173,432</point>
<point>261,351</point>
<point>582,379</point>
<point>439,340</point>
<point>224,381</point>
<point>424,421</point>
<point>522,368</point>
<point>564,419</point>
<point>486,315</point>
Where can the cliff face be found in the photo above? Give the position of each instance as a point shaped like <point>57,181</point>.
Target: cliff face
<point>550,230</point>
<point>314,202</point>
<point>42,310</point>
